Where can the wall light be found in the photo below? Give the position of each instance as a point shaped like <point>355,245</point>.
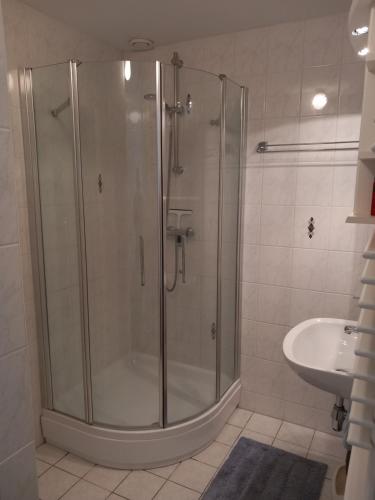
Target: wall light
<point>319,101</point>
<point>363,52</point>
<point>127,70</point>
<point>360,31</point>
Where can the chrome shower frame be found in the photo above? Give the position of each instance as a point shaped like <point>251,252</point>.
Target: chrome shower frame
<point>33,192</point>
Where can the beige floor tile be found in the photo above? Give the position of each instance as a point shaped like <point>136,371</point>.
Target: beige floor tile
<point>105,477</point>
<point>49,454</point>
<point>295,434</point>
<point>86,491</point>
<point>75,465</point>
<point>331,461</point>
<point>164,471</point>
<point>193,474</point>
<point>328,445</point>
<point>264,424</point>
<point>292,448</point>
<point>228,435</point>
<point>54,483</point>
<point>257,436</point>
<point>239,417</point>
<point>113,496</point>
<point>173,491</point>
<point>213,455</point>
<point>140,485</point>
<point>41,467</point>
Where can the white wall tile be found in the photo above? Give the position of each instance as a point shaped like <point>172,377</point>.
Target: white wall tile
<point>253,186</point>
<point>17,476</point>
<point>249,300</point>
<point>276,225</point>
<point>351,88</point>
<point>12,319</point>
<point>305,304</point>
<point>279,185</point>
<point>268,341</point>
<point>275,264</point>
<point>251,224</point>
<point>285,47</point>
<point>273,304</point>
<point>345,268</point>
<point>251,49</point>
<point>8,207</point>
<point>15,417</point>
<point>283,95</point>
<point>314,186</point>
<point>344,186</point>
<point>309,269</point>
<point>340,306</point>
<point>248,337</point>
<point>256,85</point>
<point>323,39</point>
<point>250,263</point>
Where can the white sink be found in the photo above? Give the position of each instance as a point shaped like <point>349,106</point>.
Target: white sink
<point>322,354</point>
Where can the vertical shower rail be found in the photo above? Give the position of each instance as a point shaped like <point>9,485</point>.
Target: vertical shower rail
<point>81,239</point>
<point>223,94</point>
<point>241,187</point>
<point>36,232</point>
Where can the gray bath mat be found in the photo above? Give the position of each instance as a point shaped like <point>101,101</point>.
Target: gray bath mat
<point>256,471</point>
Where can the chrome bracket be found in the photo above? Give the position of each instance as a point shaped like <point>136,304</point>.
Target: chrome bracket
<point>213,331</point>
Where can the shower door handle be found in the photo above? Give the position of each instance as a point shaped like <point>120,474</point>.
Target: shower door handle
<point>142,259</point>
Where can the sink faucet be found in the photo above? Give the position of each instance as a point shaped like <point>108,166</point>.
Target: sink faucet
<point>349,329</point>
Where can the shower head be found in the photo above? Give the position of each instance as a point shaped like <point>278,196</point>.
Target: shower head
<point>150,97</point>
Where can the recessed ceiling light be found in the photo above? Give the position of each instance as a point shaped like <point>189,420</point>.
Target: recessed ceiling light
<point>141,44</point>
<point>363,52</point>
<point>360,31</point>
<point>319,101</point>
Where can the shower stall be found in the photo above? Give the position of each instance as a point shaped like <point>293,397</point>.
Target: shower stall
<point>134,183</point>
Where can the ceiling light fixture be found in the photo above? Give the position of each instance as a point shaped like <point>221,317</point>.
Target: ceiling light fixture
<point>141,44</point>
<point>360,31</point>
<point>363,52</point>
<point>319,101</point>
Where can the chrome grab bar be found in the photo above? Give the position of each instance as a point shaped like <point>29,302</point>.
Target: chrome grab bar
<point>142,259</point>
<point>183,261</point>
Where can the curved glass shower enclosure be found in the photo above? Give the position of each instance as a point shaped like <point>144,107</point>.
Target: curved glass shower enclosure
<point>135,182</point>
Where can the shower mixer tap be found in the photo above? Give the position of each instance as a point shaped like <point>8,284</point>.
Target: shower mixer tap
<point>179,234</point>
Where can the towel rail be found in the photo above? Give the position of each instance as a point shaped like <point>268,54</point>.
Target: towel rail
<point>265,147</point>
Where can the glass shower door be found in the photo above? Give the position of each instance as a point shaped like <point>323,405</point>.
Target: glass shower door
<point>118,127</point>
<point>59,252</point>
<point>229,233</point>
<point>191,259</point>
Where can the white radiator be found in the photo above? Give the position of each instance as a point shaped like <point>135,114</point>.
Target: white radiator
<point>361,435</point>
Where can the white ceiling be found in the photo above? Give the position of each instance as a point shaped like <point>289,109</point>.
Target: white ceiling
<point>167,21</point>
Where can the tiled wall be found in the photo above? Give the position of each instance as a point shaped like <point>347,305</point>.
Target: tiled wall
<point>34,39</point>
<point>17,466</point>
<point>288,277</point>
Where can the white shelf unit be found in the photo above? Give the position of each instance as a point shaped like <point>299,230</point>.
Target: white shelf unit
<point>366,156</point>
